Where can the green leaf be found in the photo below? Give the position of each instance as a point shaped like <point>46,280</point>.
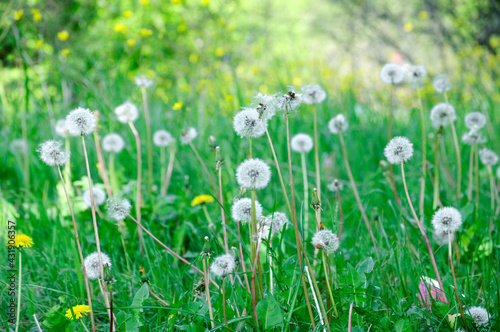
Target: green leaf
<point>354,278</point>
<point>365,266</point>
<point>403,325</point>
<point>269,312</point>
<point>440,309</point>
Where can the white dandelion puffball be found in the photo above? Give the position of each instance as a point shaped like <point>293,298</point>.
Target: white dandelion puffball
<point>253,174</point>
<point>223,265</point>
<point>242,210</point>
<point>326,240</point>
<point>475,120</point>
<point>127,112</point>
<point>336,185</point>
<point>118,208</point>
<point>392,73</point>
<point>113,143</point>
<point>398,150</point>
<point>447,220</point>
<point>290,101</point>
<point>19,146</point>
<point>441,237</point>
<point>442,114</point>
<point>479,314</point>
<point>247,123</point>
<point>473,137</point>
<point>99,197</point>
<point>143,82</point>
<point>162,138</point>
<point>338,124</point>
<point>188,135</point>
<point>416,75</point>
<point>92,267</point>
<point>301,143</point>
<point>61,128</point>
<point>265,105</point>
<point>441,83</point>
<point>80,121</point>
<point>278,220</point>
<point>52,153</point>
<point>313,94</point>
<point>488,157</point>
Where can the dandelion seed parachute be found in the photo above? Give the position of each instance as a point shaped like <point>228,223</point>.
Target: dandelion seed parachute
<point>113,143</point>
<point>441,237</point>
<point>398,150</point>
<point>92,264</point>
<point>143,82</point>
<point>80,121</point>
<point>475,120</point>
<point>99,197</point>
<point>313,94</point>
<point>265,105</point>
<point>335,185</point>
<point>447,220</point>
<point>188,136</point>
<point>473,137</point>
<point>118,208</point>
<point>416,75</point>
<point>278,221</point>
<point>242,210</point>
<point>325,239</point>
<point>61,128</point>
<point>441,83</point>
<point>19,146</point>
<point>301,143</point>
<point>162,138</point>
<point>480,315</point>
<point>223,265</point>
<point>253,174</point>
<point>442,114</point>
<point>247,123</point>
<point>52,153</point>
<point>488,157</point>
<point>290,101</point>
<point>127,112</point>
<point>392,73</point>
<point>338,124</point>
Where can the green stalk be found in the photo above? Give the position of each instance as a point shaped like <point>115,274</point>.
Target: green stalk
<point>316,156</point>
<point>206,270</point>
<point>18,313</point>
<point>424,156</point>
<point>457,150</point>
<point>459,303</point>
<point>436,200</point>
<point>389,136</point>
<point>148,135</point>
<point>138,198</point>
<point>471,168</point>
<point>306,196</point>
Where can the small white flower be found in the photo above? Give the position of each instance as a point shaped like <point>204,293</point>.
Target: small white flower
<point>118,208</point>
<point>223,265</point>
<point>447,220</point>
<point>242,210</point>
<point>143,82</point>
<point>475,120</point>
<point>162,138</point>
<point>80,121</point>
<point>61,128</point>
<point>441,83</point>
<point>313,94</point>
<point>398,150</point>
<point>392,73</point>
<point>290,101</point>
<point>92,267</point>
<point>113,143</point>
<point>473,137</point>
<point>52,153</point>
<point>253,174</point>
<point>127,112</point>
<point>325,239</point>
<point>442,114</point>
<point>247,123</point>
<point>19,146</point>
<point>336,185</point>
<point>416,75</point>
<point>338,124</point>
<point>479,314</point>
<point>99,197</point>
<point>188,136</point>
<point>301,143</point>
<point>488,157</point>
<point>265,105</point>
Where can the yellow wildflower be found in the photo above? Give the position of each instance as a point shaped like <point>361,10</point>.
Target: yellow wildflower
<point>66,51</point>
<point>408,27</point>
<point>228,97</point>
<point>177,106</point>
<point>182,28</point>
<point>263,89</point>
<point>131,42</point>
<point>423,15</point>
<point>18,14</point>
<point>146,32</point>
<point>63,35</point>
<point>202,199</point>
<point>127,13</point>
<point>22,240</point>
<point>144,2</point>
<point>205,3</point>
<point>193,58</point>
<point>119,27</point>
<point>38,44</point>
<point>219,51</point>
<point>37,16</point>
<point>297,81</point>
<point>79,311</point>
<point>176,2</point>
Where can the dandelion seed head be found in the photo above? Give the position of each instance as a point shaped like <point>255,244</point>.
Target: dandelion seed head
<point>188,135</point>
<point>162,138</point>
<point>475,120</point>
<point>253,174</point>
<point>398,150</point>
<point>336,185</point>
<point>442,114</point>
<point>19,146</point>
<point>278,221</point>
<point>301,143</point>
<point>488,157</point>
<point>118,208</point>
<point>61,128</point>
<point>265,105</point>
<point>479,314</point>
<point>113,143</point>
<point>416,75</point>
<point>52,153</point>
<point>80,121</point>
<point>91,263</point>
<point>473,137</point>
<point>313,94</point>
<point>242,210</point>
<point>441,237</point>
<point>325,239</point>
<point>338,124</point>
<point>392,73</point>
<point>127,112</point>
<point>441,83</point>
<point>447,220</point>
<point>223,265</point>
<point>143,82</point>
<point>290,101</point>
<point>247,123</point>
<point>99,197</point>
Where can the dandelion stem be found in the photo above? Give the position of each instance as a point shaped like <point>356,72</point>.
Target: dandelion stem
<point>138,198</point>
<point>206,269</point>
<point>424,156</point>
<point>471,168</point>
<point>492,198</point>
<point>148,135</point>
<point>222,213</point>
<point>328,285</point>
<point>316,158</point>
<point>349,324</point>
<point>81,321</point>
<point>341,215</point>
<point>436,201</point>
<point>162,165</point>
<point>170,168</point>
<point>102,164</point>
<point>389,136</point>
<point>205,169</point>
<point>314,297</point>
<point>306,196</point>
<point>457,150</point>
<point>112,173</point>
<point>223,291</point>
<point>242,260</point>
<point>18,313</point>
<point>255,263</point>
<point>476,161</point>
<point>459,303</point>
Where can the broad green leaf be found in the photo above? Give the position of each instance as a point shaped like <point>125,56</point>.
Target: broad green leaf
<point>269,313</point>
<point>403,325</point>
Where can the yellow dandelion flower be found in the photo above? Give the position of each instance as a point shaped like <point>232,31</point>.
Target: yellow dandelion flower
<point>297,81</point>
<point>38,44</point>
<point>119,27</point>
<point>423,15</point>
<point>22,240</point>
<point>177,106</point>
<point>37,16</point>
<point>79,311</point>
<point>130,42</point>
<point>263,89</point>
<point>202,199</point>
<point>176,2</point>
<point>144,2</point>
<point>160,36</point>
<point>63,35</point>
<point>205,3</point>
<point>146,32</point>
<point>18,14</point>
<point>408,27</point>
<point>127,13</point>
<point>182,28</point>
<point>219,51</point>
<point>66,51</point>
<point>228,97</point>
<point>193,58</point>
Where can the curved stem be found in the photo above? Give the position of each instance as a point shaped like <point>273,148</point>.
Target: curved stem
<point>306,195</point>
<point>389,136</point>
<point>457,150</point>
<point>424,156</point>
<point>222,213</point>
<point>205,169</point>
<point>459,303</point>
<point>349,324</point>
<point>436,200</point>
<point>102,164</point>
<point>138,198</point>
<point>316,156</point>
<point>206,269</point>
<point>170,168</point>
